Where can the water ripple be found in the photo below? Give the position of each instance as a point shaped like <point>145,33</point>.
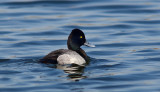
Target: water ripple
<point>136,11</point>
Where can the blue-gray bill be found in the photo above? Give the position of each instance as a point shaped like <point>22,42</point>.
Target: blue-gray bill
<point>88,44</point>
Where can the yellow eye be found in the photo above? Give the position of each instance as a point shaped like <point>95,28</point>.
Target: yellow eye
<point>81,37</point>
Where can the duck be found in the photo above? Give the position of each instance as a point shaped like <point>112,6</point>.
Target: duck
<point>74,54</point>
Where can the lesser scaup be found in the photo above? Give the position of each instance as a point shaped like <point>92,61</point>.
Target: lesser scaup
<point>74,54</point>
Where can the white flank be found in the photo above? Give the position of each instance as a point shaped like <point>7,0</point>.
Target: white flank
<point>71,58</point>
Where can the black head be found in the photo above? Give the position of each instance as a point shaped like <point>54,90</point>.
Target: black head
<point>76,39</point>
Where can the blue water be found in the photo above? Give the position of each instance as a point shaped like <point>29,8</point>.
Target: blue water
<point>126,34</point>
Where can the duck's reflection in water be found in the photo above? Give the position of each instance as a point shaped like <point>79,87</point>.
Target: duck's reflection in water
<point>75,72</point>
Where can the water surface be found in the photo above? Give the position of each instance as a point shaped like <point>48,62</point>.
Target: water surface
<point>126,34</point>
